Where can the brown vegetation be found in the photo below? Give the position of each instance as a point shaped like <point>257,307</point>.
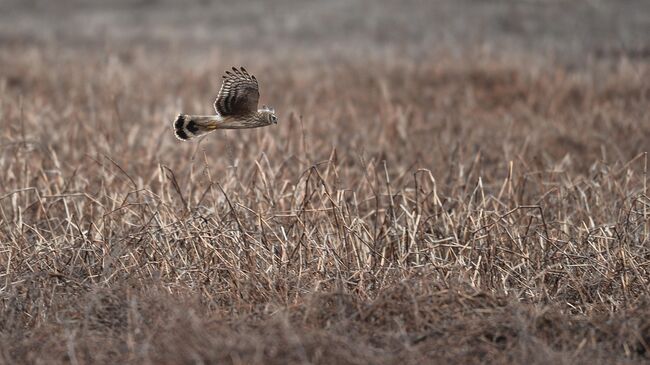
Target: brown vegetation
<point>402,211</point>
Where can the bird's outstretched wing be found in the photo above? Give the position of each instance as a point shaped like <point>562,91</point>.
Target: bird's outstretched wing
<point>239,93</point>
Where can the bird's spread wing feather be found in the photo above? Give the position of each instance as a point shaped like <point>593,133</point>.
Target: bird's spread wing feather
<point>239,94</point>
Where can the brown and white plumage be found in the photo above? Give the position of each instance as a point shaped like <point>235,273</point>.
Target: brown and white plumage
<point>239,93</point>
<point>236,107</point>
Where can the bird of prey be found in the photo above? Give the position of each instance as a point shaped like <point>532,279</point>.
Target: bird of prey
<point>236,108</point>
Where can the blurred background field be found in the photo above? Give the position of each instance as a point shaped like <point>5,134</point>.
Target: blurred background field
<point>450,181</point>
<point>551,28</point>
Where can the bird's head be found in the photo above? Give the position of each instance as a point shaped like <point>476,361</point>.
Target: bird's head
<point>268,115</point>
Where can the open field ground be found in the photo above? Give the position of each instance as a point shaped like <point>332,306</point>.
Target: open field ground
<point>418,202</point>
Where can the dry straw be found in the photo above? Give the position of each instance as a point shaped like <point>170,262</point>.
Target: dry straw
<point>400,212</point>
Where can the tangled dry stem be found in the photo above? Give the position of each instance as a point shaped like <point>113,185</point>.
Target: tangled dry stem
<point>401,212</point>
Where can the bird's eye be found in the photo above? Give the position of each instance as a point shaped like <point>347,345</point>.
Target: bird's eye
<point>273,117</point>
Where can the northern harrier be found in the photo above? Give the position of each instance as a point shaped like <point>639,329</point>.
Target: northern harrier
<point>236,107</point>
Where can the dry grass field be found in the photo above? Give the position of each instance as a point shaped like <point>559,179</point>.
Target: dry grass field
<point>441,206</point>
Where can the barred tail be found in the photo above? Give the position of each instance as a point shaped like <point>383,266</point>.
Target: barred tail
<point>187,127</point>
